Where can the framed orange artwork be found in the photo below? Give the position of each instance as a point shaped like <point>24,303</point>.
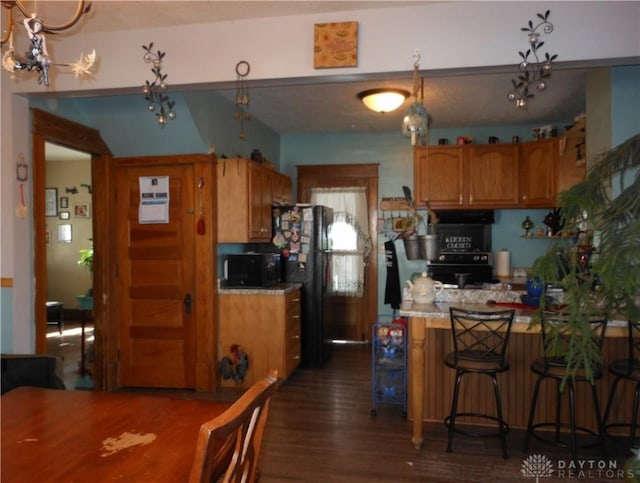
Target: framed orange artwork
<point>335,45</point>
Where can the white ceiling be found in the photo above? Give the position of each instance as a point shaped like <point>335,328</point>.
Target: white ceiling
<point>452,99</point>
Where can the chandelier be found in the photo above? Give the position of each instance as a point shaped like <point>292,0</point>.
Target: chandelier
<point>415,123</point>
<point>37,57</point>
<point>533,73</point>
<point>155,91</point>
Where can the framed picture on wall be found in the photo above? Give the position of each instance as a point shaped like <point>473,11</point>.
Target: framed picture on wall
<point>64,202</point>
<point>50,202</point>
<point>65,215</point>
<point>64,234</point>
<point>81,210</point>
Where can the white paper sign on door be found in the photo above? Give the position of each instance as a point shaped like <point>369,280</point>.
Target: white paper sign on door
<point>154,199</point>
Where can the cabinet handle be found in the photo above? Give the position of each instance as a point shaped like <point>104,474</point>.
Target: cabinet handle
<point>295,337</point>
<point>295,358</point>
<point>470,199</point>
<point>295,300</point>
<point>524,197</point>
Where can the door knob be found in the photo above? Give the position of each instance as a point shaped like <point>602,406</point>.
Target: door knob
<point>187,303</point>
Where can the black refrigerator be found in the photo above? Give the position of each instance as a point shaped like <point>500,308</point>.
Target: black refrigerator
<point>300,235</point>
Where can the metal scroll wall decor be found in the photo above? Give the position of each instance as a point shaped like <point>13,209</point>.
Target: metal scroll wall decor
<point>155,92</point>
<point>37,57</point>
<point>538,70</point>
<point>242,95</point>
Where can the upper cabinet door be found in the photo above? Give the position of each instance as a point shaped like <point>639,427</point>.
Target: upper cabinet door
<point>438,176</point>
<point>491,176</point>
<point>537,180</point>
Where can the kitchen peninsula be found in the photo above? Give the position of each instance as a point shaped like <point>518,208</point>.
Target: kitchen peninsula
<point>431,382</point>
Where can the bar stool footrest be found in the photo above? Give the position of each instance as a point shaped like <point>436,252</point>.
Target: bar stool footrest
<point>475,434</point>
<point>580,432</point>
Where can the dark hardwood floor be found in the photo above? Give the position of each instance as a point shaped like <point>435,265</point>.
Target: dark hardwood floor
<point>320,429</point>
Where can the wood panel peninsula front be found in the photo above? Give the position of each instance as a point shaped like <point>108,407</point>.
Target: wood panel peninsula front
<point>431,382</point>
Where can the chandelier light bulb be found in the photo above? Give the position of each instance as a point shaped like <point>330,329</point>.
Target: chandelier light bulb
<point>148,57</point>
<point>151,107</point>
<point>533,37</point>
<point>145,90</point>
<point>162,120</point>
<point>542,85</point>
<point>163,86</point>
<point>512,96</point>
<point>172,115</point>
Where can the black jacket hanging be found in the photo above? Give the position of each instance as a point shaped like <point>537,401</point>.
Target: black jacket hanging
<point>392,292</point>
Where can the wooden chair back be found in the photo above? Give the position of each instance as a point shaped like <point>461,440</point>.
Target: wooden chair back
<point>228,446</point>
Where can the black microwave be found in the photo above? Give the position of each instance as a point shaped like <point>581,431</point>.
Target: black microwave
<point>252,270</point>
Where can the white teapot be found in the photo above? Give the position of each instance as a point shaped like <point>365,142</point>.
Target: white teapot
<point>424,289</point>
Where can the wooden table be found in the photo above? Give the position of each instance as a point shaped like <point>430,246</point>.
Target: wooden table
<point>55,435</point>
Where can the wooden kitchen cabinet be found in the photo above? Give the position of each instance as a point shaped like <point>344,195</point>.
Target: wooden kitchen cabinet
<point>466,176</point>
<point>282,189</point>
<point>538,161</point>
<point>438,176</point>
<point>497,176</point>
<point>266,325</point>
<point>246,191</point>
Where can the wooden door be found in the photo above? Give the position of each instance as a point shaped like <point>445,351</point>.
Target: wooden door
<point>349,318</point>
<point>155,278</point>
<point>438,176</point>
<point>491,176</point>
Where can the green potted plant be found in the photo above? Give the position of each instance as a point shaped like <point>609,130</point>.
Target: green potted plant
<point>597,261</point>
<point>86,260</point>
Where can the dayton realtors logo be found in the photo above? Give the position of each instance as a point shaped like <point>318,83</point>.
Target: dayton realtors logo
<point>539,466</point>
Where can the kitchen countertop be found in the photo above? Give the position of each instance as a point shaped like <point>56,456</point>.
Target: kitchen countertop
<point>279,289</point>
<point>439,318</point>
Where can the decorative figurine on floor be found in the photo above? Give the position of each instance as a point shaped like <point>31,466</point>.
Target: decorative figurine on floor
<point>527,224</point>
<point>235,365</point>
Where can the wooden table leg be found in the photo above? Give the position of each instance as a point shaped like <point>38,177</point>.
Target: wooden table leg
<point>417,334</point>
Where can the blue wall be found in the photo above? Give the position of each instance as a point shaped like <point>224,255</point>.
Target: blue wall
<point>625,111</point>
<point>203,121</point>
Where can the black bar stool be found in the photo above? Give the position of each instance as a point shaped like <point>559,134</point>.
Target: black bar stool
<point>627,369</point>
<point>480,342</point>
<point>555,333</point>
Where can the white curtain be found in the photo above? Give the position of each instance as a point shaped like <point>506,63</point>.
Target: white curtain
<point>349,239</point>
